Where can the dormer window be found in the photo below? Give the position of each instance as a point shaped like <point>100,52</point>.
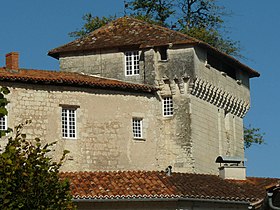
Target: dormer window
<point>132,63</point>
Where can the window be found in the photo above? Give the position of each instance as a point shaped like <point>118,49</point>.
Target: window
<point>68,118</point>
<point>132,63</point>
<point>167,106</point>
<point>137,125</point>
<point>3,123</point>
<point>163,53</point>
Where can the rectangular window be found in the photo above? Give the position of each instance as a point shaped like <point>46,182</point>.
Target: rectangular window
<point>167,106</point>
<point>137,126</point>
<point>163,53</point>
<point>132,63</point>
<point>3,123</point>
<point>68,118</point>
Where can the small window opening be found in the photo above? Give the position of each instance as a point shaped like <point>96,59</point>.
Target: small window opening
<point>137,128</point>
<point>163,53</point>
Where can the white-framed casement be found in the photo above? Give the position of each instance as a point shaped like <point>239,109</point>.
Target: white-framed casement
<point>69,122</point>
<point>132,63</point>
<point>167,106</point>
<point>137,128</point>
<point>3,123</point>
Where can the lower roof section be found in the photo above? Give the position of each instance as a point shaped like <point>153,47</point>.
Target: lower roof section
<point>155,185</point>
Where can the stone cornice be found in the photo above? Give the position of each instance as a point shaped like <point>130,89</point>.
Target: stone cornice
<point>219,97</point>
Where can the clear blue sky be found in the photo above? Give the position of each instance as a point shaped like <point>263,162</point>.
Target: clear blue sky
<point>34,27</point>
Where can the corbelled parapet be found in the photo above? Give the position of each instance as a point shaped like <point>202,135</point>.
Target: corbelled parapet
<point>219,97</point>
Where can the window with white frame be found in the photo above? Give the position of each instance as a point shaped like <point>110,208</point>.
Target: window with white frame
<point>132,63</point>
<point>3,123</point>
<point>137,128</point>
<point>167,106</point>
<point>68,119</point>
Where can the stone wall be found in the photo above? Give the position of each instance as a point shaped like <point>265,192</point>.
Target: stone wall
<point>214,133</point>
<point>209,107</point>
<point>104,127</point>
<point>207,121</point>
<point>110,64</point>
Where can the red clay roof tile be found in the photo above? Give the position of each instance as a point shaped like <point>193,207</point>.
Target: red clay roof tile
<point>129,32</point>
<point>70,79</point>
<point>153,184</point>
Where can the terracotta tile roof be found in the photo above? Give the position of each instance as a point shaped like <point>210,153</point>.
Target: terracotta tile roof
<point>153,184</point>
<point>70,79</point>
<point>130,32</point>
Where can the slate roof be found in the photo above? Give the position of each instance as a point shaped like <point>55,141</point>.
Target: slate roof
<point>154,184</point>
<point>129,32</point>
<point>70,79</point>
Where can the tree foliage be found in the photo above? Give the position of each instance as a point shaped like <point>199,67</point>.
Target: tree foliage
<point>201,19</point>
<point>252,136</point>
<point>29,179</point>
<point>3,103</point>
<point>156,11</point>
<point>91,23</point>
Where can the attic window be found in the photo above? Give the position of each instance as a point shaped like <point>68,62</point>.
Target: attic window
<point>163,53</point>
<point>132,63</point>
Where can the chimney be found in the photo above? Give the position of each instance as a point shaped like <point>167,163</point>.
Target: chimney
<point>12,61</point>
<point>231,168</point>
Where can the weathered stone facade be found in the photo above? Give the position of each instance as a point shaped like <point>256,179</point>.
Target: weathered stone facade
<point>209,90</point>
<point>104,127</point>
<point>208,104</point>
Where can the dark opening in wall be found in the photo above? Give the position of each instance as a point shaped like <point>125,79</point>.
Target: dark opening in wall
<point>221,66</point>
<point>163,53</point>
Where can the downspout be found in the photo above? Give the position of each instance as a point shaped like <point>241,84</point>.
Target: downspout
<point>269,195</point>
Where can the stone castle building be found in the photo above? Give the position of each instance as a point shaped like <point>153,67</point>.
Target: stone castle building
<point>134,96</point>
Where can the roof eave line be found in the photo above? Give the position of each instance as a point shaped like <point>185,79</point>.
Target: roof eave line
<point>81,200</point>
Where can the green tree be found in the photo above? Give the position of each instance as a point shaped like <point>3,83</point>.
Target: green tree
<point>29,179</point>
<point>3,103</point>
<point>155,11</point>
<point>91,23</point>
<point>252,136</point>
<point>201,19</point>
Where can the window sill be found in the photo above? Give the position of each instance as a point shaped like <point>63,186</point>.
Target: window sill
<point>163,61</point>
<point>68,138</point>
<point>134,75</point>
<point>168,117</point>
<point>139,139</point>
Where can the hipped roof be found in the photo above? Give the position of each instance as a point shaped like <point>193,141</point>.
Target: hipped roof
<point>129,32</point>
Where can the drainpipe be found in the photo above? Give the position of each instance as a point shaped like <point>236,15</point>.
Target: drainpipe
<point>270,194</point>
